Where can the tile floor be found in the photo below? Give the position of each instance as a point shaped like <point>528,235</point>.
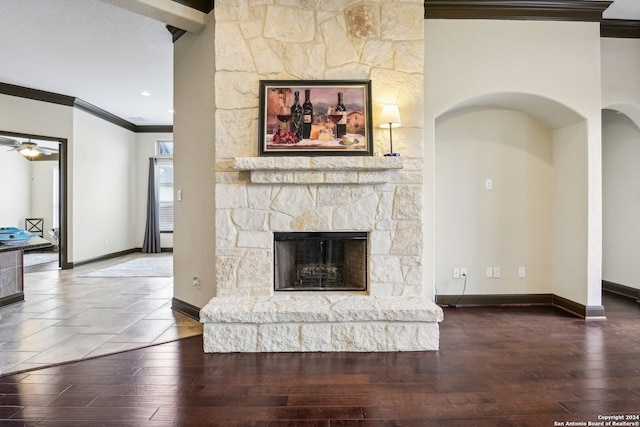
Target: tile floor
<point>67,317</point>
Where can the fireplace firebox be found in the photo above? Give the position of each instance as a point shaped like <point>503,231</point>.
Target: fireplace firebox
<point>327,261</point>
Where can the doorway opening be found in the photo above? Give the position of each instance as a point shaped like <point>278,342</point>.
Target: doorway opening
<point>36,166</point>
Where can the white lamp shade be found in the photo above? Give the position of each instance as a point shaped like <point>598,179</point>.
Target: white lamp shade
<point>390,117</point>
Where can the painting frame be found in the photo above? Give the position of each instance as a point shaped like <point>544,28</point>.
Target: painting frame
<point>320,134</point>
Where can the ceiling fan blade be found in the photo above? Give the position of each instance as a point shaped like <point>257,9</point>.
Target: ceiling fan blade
<point>47,151</point>
<point>8,142</point>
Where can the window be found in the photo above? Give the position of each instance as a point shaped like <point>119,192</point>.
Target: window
<point>164,181</point>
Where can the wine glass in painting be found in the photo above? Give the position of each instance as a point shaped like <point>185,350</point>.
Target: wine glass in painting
<point>284,116</point>
<point>335,115</point>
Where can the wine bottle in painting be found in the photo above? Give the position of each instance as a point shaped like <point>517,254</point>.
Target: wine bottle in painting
<point>341,126</point>
<point>296,116</point>
<point>307,115</point>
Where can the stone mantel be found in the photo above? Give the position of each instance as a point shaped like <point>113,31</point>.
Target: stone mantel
<point>320,170</point>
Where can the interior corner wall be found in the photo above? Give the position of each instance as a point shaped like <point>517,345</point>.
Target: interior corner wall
<point>560,61</point>
<point>508,226</point>
<point>194,237</point>
<point>145,148</point>
<point>621,199</point>
<point>621,75</point>
<point>103,197</point>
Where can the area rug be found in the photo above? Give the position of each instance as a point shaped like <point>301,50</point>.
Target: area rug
<point>145,266</point>
<point>30,259</point>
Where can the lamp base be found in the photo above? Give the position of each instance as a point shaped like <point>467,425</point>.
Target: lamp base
<point>392,155</point>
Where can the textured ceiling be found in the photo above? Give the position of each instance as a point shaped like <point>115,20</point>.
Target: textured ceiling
<point>94,51</point>
<point>106,56</point>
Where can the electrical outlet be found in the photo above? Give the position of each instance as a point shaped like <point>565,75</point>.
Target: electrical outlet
<point>463,272</point>
<point>196,282</point>
<point>488,272</point>
<point>522,272</point>
<point>497,273</point>
<point>456,273</point>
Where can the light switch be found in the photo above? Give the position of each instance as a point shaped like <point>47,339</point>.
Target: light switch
<point>179,195</point>
<point>488,184</point>
<point>488,272</point>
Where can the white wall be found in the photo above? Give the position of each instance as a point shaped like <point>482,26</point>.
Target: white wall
<point>620,150</point>
<point>194,216</point>
<point>558,61</point>
<point>145,148</point>
<point>621,199</point>
<point>103,161</point>
<point>15,181</point>
<point>621,76</point>
<point>41,190</point>
<point>509,226</point>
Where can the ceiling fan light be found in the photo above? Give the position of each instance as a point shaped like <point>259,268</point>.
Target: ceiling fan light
<point>28,152</point>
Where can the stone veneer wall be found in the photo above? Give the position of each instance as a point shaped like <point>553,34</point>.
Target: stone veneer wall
<point>380,40</point>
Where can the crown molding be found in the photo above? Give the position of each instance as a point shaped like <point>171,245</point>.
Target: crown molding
<point>104,115</point>
<point>70,101</point>
<point>36,94</point>
<point>204,6</point>
<point>620,28</point>
<point>155,129</point>
<point>533,10</point>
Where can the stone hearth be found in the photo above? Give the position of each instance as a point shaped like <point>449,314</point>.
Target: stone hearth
<point>288,323</point>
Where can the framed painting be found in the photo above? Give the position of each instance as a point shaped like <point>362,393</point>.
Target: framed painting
<point>315,118</point>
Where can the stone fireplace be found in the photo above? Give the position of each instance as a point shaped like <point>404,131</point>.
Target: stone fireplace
<point>257,198</point>
<point>319,197</point>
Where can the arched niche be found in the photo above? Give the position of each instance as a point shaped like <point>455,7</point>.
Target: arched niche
<point>534,220</point>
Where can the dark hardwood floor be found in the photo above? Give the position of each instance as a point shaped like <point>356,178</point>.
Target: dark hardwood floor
<point>527,366</point>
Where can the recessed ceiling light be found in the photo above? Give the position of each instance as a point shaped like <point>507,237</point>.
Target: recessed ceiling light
<point>145,93</point>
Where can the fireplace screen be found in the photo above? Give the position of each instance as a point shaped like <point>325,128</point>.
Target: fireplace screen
<point>320,261</point>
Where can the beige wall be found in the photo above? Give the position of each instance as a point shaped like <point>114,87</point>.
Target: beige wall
<point>621,76</point>
<point>549,70</point>
<point>103,165</point>
<point>509,226</point>
<point>620,150</point>
<point>621,199</point>
<point>194,232</point>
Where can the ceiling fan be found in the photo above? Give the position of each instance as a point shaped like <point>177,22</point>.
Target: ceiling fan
<point>30,150</point>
